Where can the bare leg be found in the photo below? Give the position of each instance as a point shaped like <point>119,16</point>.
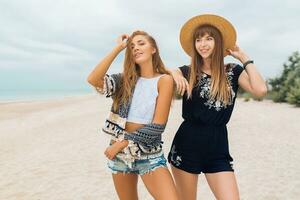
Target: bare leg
<point>160,184</point>
<point>126,186</point>
<point>223,185</point>
<point>186,184</point>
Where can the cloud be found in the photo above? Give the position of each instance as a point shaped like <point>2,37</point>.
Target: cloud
<point>70,37</point>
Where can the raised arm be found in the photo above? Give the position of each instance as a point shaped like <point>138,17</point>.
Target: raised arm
<point>250,79</point>
<point>96,77</point>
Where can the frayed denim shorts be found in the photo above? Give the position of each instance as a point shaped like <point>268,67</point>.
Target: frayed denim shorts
<point>139,167</point>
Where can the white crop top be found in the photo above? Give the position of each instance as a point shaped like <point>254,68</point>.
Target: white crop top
<point>143,101</point>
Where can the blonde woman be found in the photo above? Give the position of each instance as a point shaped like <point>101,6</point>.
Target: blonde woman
<point>141,95</point>
<point>209,88</point>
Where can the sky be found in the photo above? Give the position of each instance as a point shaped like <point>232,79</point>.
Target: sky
<point>54,44</point>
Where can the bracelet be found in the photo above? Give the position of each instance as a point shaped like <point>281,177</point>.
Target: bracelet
<point>247,63</point>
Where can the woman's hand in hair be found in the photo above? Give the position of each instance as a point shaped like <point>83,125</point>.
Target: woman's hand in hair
<point>122,41</point>
<point>182,84</point>
<point>238,53</point>
<point>250,79</point>
<point>97,75</point>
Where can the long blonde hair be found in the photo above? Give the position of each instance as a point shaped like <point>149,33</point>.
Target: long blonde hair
<point>131,70</point>
<point>219,89</point>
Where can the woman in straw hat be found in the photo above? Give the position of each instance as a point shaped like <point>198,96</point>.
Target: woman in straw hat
<point>141,95</point>
<point>209,89</point>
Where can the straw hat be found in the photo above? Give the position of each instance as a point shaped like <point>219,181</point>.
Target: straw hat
<point>225,27</point>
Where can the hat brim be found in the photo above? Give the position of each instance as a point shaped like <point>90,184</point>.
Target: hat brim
<point>224,26</point>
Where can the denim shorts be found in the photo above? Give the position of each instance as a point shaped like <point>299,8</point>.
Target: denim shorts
<point>139,167</point>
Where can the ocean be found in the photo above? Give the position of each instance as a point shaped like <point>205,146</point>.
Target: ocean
<point>28,95</point>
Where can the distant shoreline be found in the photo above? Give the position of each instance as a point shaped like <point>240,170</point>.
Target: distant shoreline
<point>29,96</point>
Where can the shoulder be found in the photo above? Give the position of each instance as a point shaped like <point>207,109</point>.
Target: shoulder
<point>185,70</point>
<point>184,67</point>
<point>165,82</point>
<point>234,67</point>
<point>234,71</point>
<point>117,78</point>
<point>166,78</point>
<point>117,75</point>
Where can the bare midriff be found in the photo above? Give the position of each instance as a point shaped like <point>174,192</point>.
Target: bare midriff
<point>131,126</point>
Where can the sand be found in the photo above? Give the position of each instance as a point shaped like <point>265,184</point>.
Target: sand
<point>53,149</point>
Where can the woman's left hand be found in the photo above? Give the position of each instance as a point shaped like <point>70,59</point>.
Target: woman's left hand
<point>238,53</point>
<point>111,151</point>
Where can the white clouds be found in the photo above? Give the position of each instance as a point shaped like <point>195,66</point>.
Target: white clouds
<point>38,54</point>
<point>72,35</point>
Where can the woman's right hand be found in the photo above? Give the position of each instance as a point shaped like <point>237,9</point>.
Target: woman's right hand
<point>182,84</point>
<point>122,41</point>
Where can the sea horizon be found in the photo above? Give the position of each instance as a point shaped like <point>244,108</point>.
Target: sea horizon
<point>37,94</point>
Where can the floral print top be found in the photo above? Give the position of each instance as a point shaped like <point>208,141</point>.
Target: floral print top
<point>203,109</point>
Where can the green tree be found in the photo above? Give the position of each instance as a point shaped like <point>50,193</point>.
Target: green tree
<point>293,95</point>
<point>285,87</point>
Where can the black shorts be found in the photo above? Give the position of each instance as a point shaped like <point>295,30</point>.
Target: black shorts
<point>198,148</point>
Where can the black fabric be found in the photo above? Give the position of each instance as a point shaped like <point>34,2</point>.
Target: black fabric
<point>198,108</point>
<point>201,142</point>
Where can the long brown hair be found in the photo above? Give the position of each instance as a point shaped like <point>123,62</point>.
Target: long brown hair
<point>131,70</point>
<point>219,89</point>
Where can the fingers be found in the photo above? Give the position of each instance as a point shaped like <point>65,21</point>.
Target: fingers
<point>178,86</point>
<point>124,37</point>
<point>122,40</point>
<point>108,155</point>
<point>230,51</point>
<point>235,48</point>
<point>186,86</point>
<point>181,85</point>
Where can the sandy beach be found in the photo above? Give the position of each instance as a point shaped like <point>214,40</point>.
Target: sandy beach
<point>53,150</point>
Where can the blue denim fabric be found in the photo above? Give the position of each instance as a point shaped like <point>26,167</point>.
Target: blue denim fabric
<point>139,167</point>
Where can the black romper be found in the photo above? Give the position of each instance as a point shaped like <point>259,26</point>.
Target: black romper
<point>201,143</point>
